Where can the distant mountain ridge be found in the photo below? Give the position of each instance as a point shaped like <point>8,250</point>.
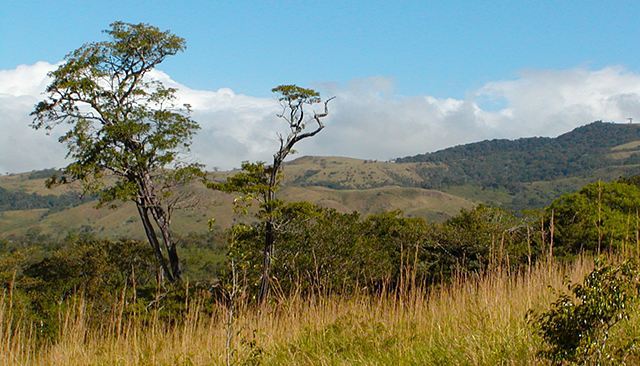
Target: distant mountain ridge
<point>519,174</point>
<point>526,160</point>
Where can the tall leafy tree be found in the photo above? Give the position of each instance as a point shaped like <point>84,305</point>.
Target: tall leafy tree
<point>599,217</point>
<point>261,181</point>
<point>127,133</point>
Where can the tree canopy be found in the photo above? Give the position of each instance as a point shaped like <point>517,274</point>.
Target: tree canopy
<point>126,129</point>
<point>599,217</point>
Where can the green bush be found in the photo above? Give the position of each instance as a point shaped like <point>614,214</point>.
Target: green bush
<point>577,327</point>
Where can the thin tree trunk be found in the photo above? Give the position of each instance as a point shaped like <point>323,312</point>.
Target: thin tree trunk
<point>269,230</point>
<point>163,222</point>
<point>268,253</point>
<point>153,240</point>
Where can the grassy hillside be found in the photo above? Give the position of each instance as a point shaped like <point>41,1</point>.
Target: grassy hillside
<point>124,222</point>
<point>521,174</point>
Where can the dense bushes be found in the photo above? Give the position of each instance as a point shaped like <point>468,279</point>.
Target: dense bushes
<point>113,278</point>
<point>321,249</point>
<point>600,217</point>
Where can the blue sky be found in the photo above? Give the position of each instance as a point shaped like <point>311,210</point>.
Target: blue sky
<point>410,76</point>
<point>440,48</point>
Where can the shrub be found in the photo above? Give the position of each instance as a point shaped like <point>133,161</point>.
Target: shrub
<point>576,328</point>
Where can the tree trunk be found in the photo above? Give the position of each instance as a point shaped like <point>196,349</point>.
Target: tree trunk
<point>153,240</point>
<point>265,281</point>
<point>163,222</point>
<point>269,230</point>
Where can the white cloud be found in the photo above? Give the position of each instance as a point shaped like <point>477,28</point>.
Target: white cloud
<point>25,79</point>
<point>366,120</point>
<point>548,103</point>
<point>21,147</point>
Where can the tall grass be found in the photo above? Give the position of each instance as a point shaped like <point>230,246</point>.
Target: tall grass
<point>474,320</point>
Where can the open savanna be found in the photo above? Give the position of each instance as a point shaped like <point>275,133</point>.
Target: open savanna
<point>473,320</point>
<point>495,172</point>
<point>353,177</point>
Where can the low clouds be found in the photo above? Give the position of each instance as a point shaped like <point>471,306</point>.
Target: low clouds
<point>549,102</point>
<point>367,119</point>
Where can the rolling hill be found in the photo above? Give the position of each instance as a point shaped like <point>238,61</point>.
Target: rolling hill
<point>518,174</point>
<point>80,215</point>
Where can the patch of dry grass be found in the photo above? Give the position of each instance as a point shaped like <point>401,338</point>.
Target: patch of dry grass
<point>472,321</point>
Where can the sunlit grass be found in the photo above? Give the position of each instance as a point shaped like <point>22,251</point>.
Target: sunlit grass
<point>472,321</point>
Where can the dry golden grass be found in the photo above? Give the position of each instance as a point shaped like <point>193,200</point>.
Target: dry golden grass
<point>472,321</point>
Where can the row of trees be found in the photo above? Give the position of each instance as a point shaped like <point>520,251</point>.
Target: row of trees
<point>127,134</point>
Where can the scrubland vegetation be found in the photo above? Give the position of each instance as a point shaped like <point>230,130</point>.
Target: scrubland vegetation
<point>473,320</point>
<point>383,289</point>
<point>296,283</point>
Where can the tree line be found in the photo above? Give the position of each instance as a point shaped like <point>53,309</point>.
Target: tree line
<point>10,201</point>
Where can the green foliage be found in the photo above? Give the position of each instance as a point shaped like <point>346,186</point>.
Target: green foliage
<point>94,268</point>
<point>323,250</point>
<point>315,250</point>
<point>506,163</point>
<point>203,256</point>
<point>296,94</point>
<point>108,276</point>
<point>576,328</point>
<point>633,180</point>
<point>253,181</point>
<point>121,120</point>
<point>483,238</point>
<point>104,273</point>
<point>600,217</point>
<point>126,131</point>
<point>23,201</point>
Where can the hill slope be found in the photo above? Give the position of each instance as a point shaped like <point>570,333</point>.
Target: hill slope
<point>520,174</point>
<point>19,216</point>
<point>508,162</point>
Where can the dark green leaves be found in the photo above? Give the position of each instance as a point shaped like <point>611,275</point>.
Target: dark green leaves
<point>252,181</point>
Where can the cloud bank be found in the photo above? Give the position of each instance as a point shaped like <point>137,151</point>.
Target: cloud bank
<point>367,119</point>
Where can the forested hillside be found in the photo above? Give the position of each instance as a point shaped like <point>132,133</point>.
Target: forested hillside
<point>518,174</point>
<point>507,163</point>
